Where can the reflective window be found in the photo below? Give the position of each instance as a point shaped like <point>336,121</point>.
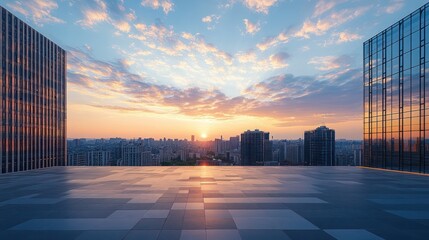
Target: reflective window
<point>396,138</point>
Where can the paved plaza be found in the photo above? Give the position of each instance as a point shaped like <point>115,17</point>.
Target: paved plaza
<point>213,203</point>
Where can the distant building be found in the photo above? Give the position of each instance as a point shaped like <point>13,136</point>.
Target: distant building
<point>348,152</point>
<point>319,147</point>
<point>256,148</point>
<point>134,154</point>
<point>99,158</point>
<point>33,93</point>
<point>78,158</point>
<point>294,152</point>
<point>234,143</point>
<point>193,138</point>
<point>219,146</point>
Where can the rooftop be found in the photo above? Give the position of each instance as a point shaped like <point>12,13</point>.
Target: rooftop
<point>213,203</point>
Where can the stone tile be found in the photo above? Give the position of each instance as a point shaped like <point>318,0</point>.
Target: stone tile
<point>150,224</point>
<point>190,205</point>
<point>270,219</point>
<point>194,213</point>
<point>156,213</point>
<point>352,234</point>
<point>105,235</point>
<point>220,223</point>
<point>162,206</point>
<point>402,201</point>
<point>218,213</point>
<point>169,235</point>
<point>287,223</point>
<point>264,202</point>
<point>263,234</point>
<point>173,223</point>
<point>223,234</point>
<point>142,234</point>
<point>308,235</point>
<point>194,223</point>
<point>410,214</point>
<point>77,224</point>
<point>179,205</point>
<point>127,214</point>
<point>193,235</point>
<point>39,235</point>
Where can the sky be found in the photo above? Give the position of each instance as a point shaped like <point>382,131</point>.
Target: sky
<point>176,68</point>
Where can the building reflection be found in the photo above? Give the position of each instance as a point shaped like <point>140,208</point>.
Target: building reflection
<point>395,91</point>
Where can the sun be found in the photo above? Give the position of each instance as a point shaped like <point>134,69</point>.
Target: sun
<point>204,135</point>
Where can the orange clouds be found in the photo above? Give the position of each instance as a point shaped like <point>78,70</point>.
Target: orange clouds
<point>261,6</point>
<point>166,5</point>
<point>251,27</point>
<point>38,10</point>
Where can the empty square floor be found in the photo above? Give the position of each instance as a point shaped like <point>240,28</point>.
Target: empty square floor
<point>213,203</point>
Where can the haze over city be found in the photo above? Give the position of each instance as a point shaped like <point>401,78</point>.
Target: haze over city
<point>175,68</point>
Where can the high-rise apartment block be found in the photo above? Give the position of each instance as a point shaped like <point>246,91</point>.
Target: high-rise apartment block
<point>256,148</point>
<point>319,147</point>
<point>134,154</point>
<point>33,98</point>
<point>396,87</point>
<point>294,152</point>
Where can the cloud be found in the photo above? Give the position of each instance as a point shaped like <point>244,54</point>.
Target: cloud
<point>39,11</point>
<point>290,99</point>
<point>211,20</point>
<point>251,27</point>
<point>305,48</point>
<point>166,5</point>
<point>347,37</point>
<point>393,7</point>
<point>246,57</point>
<point>99,11</point>
<point>272,41</point>
<point>272,62</point>
<point>321,26</point>
<point>116,81</point>
<point>261,6</point>
<point>163,38</point>
<point>95,14</point>
<point>286,98</point>
<point>317,26</point>
<point>323,6</point>
<point>328,63</point>
<point>157,31</point>
<point>278,60</point>
<point>341,37</point>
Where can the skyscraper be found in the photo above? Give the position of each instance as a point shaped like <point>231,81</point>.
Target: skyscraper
<point>319,147</point>
<point>396,86</point>
<point>294,152</point>
<point>219,146</point>
<point>234,142</point>
<point>33,98</point>
<point>255,148</point>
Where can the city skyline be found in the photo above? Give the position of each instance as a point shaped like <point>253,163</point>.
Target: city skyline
<point>281,66</point>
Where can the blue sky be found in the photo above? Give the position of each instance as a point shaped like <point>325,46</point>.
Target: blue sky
<point>155,68</point>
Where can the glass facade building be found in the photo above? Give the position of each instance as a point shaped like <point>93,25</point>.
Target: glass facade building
<point>33,98</point>
<point>396,95</point>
